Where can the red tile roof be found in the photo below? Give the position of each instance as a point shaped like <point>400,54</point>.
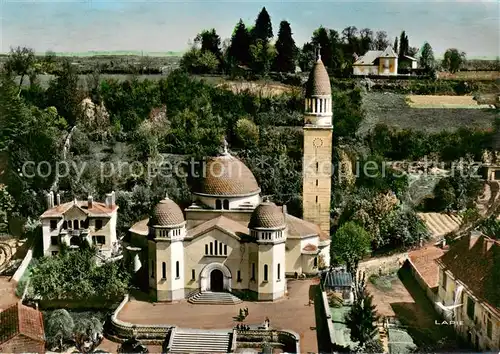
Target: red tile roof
<point>310,248</point>
<point>20,320</point>
<point>424,261</point>
<point>475,261</point>
<point>98,209</point>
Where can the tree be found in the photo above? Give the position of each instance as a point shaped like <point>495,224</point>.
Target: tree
<point>20,62</point>
<point>307,56</point>
<point>261,54</point>
<point>210,41</point>
<point>453,60</point>
<point>59,329</point>
<point>263,28</point>
<point>7,204</point>
<point>351,41</point>
<point>381,41</point>
<point>247,133</point>
<point>427,57</point>
<point>366,41</point>
<point>350,243</point>
<point>197,61</point>
<point>286,50</point>
<point>87,334</point>
<point>321,39</point>
<point>239,50</point>
<point>404,44</point>
<point>64,93</point>
<point>396,45</point>
<point>362,317</point>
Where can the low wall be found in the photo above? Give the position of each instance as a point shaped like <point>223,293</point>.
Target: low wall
<point>384,265</point>
<point>151,334</point>
<point>87,304</point>
<point>326,312</point>
<point>429,292</point>
<point>288,338</point>
<point>24,265</point>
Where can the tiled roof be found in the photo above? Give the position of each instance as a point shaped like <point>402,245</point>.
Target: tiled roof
<point>267,216</point>
<point>369,57</point>
<point>310,248</point>
<point>337,278</point>
<point>440,224</point>
<point>23,320</point>
<point>388,53</point>
<point>166,213</point>
<point>222,223</point>
<point>98,209</point>
<point>475,261</point>
<point>424,261</point>
<point>301,228</point>
<point>318,83</point>
<point>140,227</point>
<point>226,176</point>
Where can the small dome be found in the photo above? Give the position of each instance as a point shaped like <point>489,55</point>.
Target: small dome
<point>267,216</point>
<point>226,176</point>
<point>318,83</point>
<point>166,213</point>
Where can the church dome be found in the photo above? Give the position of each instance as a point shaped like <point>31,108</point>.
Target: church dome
<point>226,176</point>
<point>166,213</point>
<point>267,215</point>
<point>318,83</point>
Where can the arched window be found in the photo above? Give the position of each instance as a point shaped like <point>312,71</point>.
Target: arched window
<point>317,166</point>
<point>164,270</point>
<point>65,224</point>
<point>177,270</point>
<point>215,246</point>
<point>226,204</point>
<point>218,204</point>
<point>315,261</point>
<point>220,249</point>
<point>75,224</point>
<point>206,249</point>
<point>211,248</point>
<point>265,272</point>
<point>279,271</point>
<point>225,250</point>
<point>70,224</point>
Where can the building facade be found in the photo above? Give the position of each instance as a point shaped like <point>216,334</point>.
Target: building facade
<point>75,222</point>
<point>231,238</point>
<point>468,290</point>
<point>376,62</point>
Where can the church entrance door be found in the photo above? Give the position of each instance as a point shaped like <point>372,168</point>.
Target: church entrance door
<point>216,280</point>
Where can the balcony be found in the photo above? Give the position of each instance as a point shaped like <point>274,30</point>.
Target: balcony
<point>74,232</point>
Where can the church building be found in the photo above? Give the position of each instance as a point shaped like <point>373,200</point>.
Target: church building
<point>233,239</point>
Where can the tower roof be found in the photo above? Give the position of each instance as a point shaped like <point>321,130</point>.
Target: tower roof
<point>267,215</point>
<point>166,213</point>
<point>318,83</point>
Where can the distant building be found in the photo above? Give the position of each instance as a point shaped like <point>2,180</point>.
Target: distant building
<point>339,281</point>
<point>376,62</point>
<point>74,222</point>
<point>21,330</point>
<point>468,281</point>
<point>407,62</point>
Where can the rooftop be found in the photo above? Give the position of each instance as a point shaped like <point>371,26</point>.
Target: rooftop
<point>23,320</point>
<point>97,209</point>
<point>424,261</point>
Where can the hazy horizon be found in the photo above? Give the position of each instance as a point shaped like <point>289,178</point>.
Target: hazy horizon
<point>70,26</point>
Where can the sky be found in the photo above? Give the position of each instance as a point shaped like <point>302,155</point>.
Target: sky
<point>165,25</point>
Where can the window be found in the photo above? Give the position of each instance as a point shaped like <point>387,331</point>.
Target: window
<point>316,183</point>
<point>152,269</point>
<point>220,249</point>
<point>54,253</point>
<point>70,224</point>
<point>164,270</point>
<point>53,224</point>
<point>206,249</point>
<point>211,248</point>
<point>226,204</point>
<point>315,262</point>
<point>316,199</point>
<point>265,272</point>
<point>65,225</point>
<point>54,240</point>
<point>279,272</point>
<point>489,329</point>
<point>444,280</point>
<point>497,175</point>
<point>218,204</point>
<point>193,274</point>
<point>215,246</point>
<point>177,270</point>
<point>98,224</point>
<point>225,250</point>
<point>239,277</point>
<point>75,225</point>
<point>99,240</point>
<point>470,307</point>
<point>253,271</point>
<point>317,166</point>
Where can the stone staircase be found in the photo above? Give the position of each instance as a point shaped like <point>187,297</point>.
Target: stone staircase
<point>215,298</point>
<point>200,341</point>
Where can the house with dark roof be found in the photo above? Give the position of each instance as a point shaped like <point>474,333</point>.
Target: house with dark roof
<point>339,281</point>
<point>233,239</point>
<point>469,290</point>
<point>376,62</point>
<point>21,330</point>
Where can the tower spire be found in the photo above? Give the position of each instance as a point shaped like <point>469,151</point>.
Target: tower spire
<point>224,146</point>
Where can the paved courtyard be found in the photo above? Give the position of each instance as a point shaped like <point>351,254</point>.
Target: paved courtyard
<point>293,313</point>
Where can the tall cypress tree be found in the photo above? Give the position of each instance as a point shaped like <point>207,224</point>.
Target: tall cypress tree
<point>239,50</point>
<point>286,49</point>
<point>404,44</point>
<point>321,37</point>
<point>263,27</point>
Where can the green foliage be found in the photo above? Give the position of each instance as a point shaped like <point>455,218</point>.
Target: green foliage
<point>350,243</point>
<point>20,62</point>
<point>239,50</point>
<point>75,275</point>
<point>427,57</point>
<point>199,61</point>
<point>491,227</point>
<point>286,50</point>
<point>247,133</point>
<point>59,329</point>
<point>453,60</point>
<point>402,229</point>
<point>7,204</point>
<point>88,333</point>
<point>263,28</point>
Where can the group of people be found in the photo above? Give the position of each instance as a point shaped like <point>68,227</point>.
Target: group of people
<point>242,327</point>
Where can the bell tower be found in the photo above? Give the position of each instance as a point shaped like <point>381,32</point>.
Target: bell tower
<point>317,162</point>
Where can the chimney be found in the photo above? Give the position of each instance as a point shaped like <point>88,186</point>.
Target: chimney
<point>113,198</point>
<point>284,209</point>
<point>110,200</point>
<point>58,199</point>
<point>90,200</point>
<point>50,200</point>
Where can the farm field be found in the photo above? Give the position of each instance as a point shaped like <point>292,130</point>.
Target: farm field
<point>392,109</point>
<point>432,101</point>
<point>260,88</point>
<point>470,75</point>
